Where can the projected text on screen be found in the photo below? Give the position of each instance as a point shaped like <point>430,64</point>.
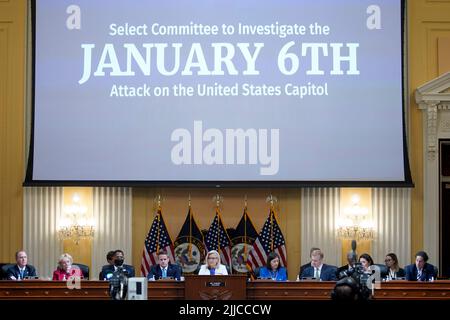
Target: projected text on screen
<point>218,91</point>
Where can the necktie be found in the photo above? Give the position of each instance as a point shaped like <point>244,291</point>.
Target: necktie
<point>419,275</point>
<point>316,273</point>
<point>21,273</point>
<point>164,273</point>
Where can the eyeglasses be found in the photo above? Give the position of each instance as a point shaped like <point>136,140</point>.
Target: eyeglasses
<point>387,260</point>
<point>212,258</point>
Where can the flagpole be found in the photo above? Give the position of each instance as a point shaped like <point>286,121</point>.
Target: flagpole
<point>271,223</point>
<point>218,221</point>
<point>218,200</point>
<point>218,236</point>
<point>190,229</point>
<point>245,227</point>
<point>226,234</point>
<point>158,217</point>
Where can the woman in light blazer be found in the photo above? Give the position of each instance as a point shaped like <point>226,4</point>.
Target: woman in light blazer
<point>212,265</point>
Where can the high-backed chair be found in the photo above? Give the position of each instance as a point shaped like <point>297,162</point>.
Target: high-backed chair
<point>228,269</point>
<point>256,272</point>
<point>436,272</point>
<point>3,269</point>
<point>383,269</point>
<point>84,269</point>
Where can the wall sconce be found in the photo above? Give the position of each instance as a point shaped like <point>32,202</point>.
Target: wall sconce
<point>75,225</point>
<point>355,225</point>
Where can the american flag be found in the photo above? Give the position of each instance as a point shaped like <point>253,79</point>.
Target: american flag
<point>217,239</point>
<point>269,239</point>
<point>157,238</point>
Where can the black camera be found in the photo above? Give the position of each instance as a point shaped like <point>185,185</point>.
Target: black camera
<point>360,278</point>
<point>354,271</point>
<point>346,289</point>
<point>118,284</point>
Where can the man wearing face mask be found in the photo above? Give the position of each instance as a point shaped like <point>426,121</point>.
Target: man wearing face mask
<point>118,259</point>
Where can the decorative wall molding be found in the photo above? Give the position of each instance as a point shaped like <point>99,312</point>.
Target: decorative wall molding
<point>431,130</point>
<point>320,209</point>
<point>433,99</point>
<point>112,214</point>
<point>42,210</point>
<point>42,207</point>
<point>391,212</point>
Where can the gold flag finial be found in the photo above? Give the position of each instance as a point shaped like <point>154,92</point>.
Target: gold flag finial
<point>218,199</point>
<point>272,200</point>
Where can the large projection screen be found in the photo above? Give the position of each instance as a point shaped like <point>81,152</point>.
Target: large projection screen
<point>290,92</point>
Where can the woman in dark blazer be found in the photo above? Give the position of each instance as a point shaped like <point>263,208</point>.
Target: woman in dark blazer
<point>393,269</point>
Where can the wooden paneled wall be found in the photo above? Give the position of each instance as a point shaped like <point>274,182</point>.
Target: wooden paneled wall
<point>428,52</point>
<point>12,97</point>
<point>82,251</point>
<point>363,246</point>
<point>428,56</point>
<point>175,209</point>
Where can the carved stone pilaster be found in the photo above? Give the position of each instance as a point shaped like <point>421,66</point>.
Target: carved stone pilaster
<point>432,115</point>
<point>445,125</point>
<point>432,98</point>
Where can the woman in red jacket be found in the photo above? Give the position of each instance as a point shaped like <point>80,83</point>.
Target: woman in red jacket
<point>65,269</point>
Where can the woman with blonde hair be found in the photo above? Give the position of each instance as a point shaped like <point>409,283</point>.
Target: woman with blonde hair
<point>65,270</point>
<point>212,265</point>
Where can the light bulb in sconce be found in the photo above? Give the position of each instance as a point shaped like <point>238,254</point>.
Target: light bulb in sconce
<point>355,224</point>
<point>76,198</point>
<point>75,224</point>
<point>355,210</point>
<point>355,199</point>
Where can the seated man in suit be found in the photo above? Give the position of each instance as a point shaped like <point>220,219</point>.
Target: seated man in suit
<point>421,270</point>
<point>319,270</point>
<point>21,269</point>
<point>346,270</point>
<point>312,251</point>
<point>164,269</point>
<point>109,260</point>
<point>110,257</point>
<point>118,259</point>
